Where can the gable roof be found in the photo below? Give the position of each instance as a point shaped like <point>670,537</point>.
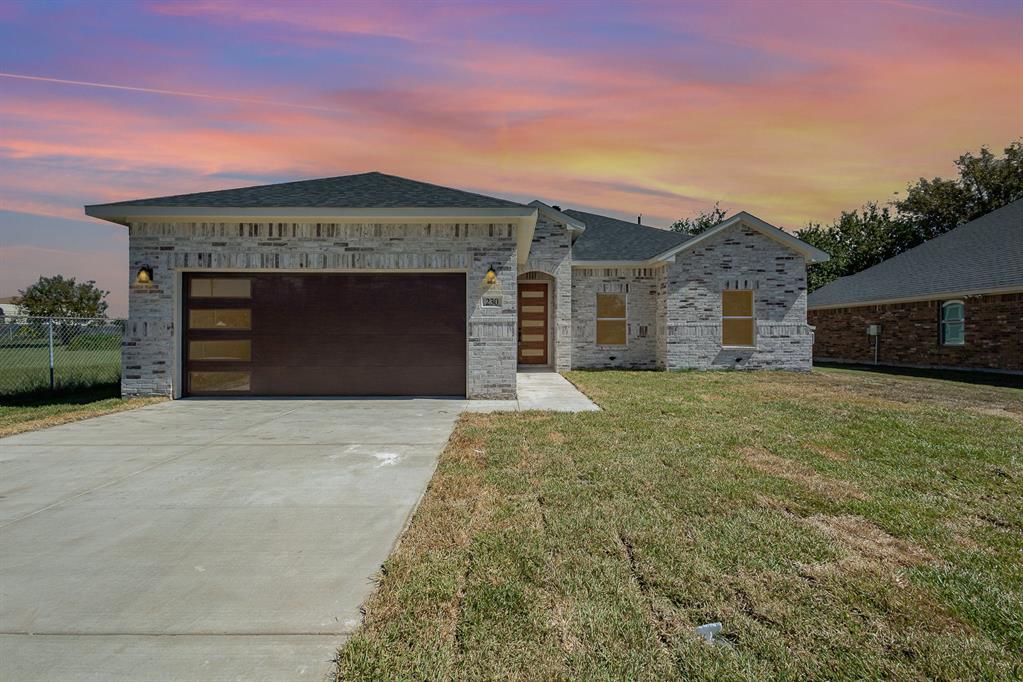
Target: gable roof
<point>557,215</point>
<point>610,239</point>
<point>810,252</point>
<point>363,190</point>
<point>983,255</point>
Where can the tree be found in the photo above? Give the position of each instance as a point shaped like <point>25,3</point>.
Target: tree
<point>702,222</point>
<point>986,182</point>
<point>856,241</point>
<point>867,236</point>
<point>58,296</point>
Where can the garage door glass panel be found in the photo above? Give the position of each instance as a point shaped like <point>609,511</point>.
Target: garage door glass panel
<point>221,288</point>
<point>209,382</point>
<point>233,350</point>
<point>220,318</point>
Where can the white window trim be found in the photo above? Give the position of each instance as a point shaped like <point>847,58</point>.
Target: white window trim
<point>942,323</point>
<point>751,316</point>
<point>597,318</point>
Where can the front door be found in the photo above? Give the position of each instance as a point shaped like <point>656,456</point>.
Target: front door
<point>533,323</point>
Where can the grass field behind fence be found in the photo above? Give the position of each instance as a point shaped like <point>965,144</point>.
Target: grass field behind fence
<point>27,369</point>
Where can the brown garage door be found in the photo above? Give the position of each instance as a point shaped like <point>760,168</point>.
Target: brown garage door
<point>287,334</point>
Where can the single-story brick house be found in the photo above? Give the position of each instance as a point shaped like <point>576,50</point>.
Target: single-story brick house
<point>955,301</point>
<point>372,284</point>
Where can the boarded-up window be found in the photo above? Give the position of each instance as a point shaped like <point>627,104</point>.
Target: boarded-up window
<point>737,328</point>
<point>611,320</point>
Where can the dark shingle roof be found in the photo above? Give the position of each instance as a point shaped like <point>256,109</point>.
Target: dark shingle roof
<point>364,190</point>
<point>610,239</point>
<point>986,253</point>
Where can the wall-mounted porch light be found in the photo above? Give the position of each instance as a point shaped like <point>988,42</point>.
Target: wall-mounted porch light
<point>144,275</point>
<point>491,276</point>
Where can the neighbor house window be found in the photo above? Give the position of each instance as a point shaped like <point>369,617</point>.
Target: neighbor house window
<point>953,323</point>
<point>611,320</point>
<point>737,327</point>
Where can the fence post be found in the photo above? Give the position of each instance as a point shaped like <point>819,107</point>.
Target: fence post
<point>49,324</point>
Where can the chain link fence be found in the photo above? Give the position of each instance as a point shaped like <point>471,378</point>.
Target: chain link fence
<point>55,353</point>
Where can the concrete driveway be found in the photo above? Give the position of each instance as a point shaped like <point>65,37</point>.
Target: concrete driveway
<point>204,539</point>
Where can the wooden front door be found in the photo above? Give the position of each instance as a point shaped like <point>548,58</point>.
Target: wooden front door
<point>533,311</point>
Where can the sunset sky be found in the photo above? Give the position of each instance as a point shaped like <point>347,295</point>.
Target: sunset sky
<point>792,111</point>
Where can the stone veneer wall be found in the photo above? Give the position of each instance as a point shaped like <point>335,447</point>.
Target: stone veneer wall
<point>149,362</point>
<point>910,334</point>
<point>643,288</point>
<point>739,258</point>
<point>551,253</point>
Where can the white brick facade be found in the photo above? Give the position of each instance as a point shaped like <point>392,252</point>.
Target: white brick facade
<point>151,353</point>
<point>550,253</point>
<point>642,288</point>
<point>673,308</point>
<point>739,258</point>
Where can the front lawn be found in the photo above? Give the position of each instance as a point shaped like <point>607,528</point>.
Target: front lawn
<point>841,525</point>
<point>28,412</point>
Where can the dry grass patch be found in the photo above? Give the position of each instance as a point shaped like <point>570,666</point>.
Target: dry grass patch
<point>1000,412</point>
<point>15,421</point>
<point>869,542</point>
<point>768,463</point>
<point>828,453</point>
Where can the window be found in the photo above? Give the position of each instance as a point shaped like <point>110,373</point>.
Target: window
<point>611,320</point>
<point>953,323</point>
<point>737,327</point>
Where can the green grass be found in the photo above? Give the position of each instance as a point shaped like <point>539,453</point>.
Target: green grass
<point>841,525</point>
<point>25,369</point>
<point>27,412</point>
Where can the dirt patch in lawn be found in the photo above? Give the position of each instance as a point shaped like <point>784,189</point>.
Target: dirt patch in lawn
<point>1000,412</point>
<point>833,455</point>
<point>768,463</point>
<point>870,544</point>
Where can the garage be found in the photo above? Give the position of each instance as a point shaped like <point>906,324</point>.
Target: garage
<point>324,334</point>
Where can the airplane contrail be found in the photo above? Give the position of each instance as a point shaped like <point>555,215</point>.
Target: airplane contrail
<point>174,93</point>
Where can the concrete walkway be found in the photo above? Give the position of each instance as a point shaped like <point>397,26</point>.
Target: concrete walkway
<point>539,389</point>
<point>204,539</point>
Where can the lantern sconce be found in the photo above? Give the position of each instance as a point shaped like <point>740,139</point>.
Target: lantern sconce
<point>491,276</point>
<point>144,275</point>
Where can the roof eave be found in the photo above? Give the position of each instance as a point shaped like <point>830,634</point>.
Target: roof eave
<point>939,296</point>
<point>127,213</point>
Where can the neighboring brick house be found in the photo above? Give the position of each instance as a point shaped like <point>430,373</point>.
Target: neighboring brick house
<point>955,301</point>
<point>372,284</point>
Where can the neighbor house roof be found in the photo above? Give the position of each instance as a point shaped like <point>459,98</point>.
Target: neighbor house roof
<point>983,255</point>
<point>610,239</point>
<point>364,190</point>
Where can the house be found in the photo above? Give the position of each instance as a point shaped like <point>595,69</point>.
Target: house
<point>9,307</point>
<point>372,284</point>
<point>955,301</point>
